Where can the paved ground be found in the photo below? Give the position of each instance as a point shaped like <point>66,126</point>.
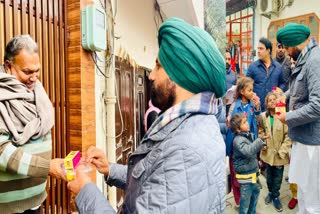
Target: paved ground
<point>262,208</point>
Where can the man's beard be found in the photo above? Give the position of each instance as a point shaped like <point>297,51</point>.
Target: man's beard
<point>280,54</point>
<point>164,96</point>
<point>295,54</point>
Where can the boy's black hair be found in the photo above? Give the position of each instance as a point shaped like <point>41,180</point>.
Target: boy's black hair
<point>235,122</point>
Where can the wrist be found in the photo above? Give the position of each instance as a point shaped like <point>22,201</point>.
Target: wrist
<point>106,175</point>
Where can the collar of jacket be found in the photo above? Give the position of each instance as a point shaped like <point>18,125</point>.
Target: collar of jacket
<point>304,55</point>
<point>202,103</point>
<point>237,105</point>
<point>262,64</point>
<point>247,135</point>
<point>229,70</point>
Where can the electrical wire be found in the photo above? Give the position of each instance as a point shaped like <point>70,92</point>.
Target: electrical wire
<point>108,62</point>
<point>97,66</point>
<point>117,94</point>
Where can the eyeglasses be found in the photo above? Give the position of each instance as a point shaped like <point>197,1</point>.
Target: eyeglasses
<point>228,58</point>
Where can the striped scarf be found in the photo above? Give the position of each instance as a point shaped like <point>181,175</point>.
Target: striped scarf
<point>203,103</point>
<point>24,113</point>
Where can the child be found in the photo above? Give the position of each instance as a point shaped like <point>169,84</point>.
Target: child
<point>245,102</point>
<point>246,162</point>
<point>276,153</point>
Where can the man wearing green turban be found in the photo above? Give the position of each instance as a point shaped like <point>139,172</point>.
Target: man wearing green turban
<point>303,118</point>
<point>179,165</point>
<point>191,58</point>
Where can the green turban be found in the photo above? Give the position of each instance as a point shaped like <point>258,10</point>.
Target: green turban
<point>191,58</point>
<point>293,34</point>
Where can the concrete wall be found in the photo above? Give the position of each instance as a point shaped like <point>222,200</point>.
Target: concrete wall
<point>199,12</point>
<point>137,31</point>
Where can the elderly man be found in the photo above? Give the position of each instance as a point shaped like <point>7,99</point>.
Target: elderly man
<point>179,165</point>
<point>303,118</point>
<point>265,72</point>
<point>25,125</point>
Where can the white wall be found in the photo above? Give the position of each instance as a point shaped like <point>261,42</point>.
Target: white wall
<point>100,116</point>
<point>100,110</point>
<point>199,12</point>
<point>191,11</point>
<point>299,7</point>
<point>136,27</point>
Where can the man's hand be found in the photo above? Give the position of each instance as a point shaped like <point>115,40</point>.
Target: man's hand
<point>282,98</point>
<point>80,180</point>
<point>282,117</point>
<point>98,159</point>
<point>56,169</point>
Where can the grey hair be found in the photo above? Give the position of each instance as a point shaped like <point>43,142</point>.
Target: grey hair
<point>18,43</point>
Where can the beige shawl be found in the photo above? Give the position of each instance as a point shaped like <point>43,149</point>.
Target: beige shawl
<point>24,113</point>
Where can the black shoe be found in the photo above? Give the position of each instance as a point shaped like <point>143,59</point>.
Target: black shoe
<point>268,199</point>
<point>277,204</point>
<point>286,178</point>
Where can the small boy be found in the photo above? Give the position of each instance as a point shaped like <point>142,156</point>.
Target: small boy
<point>246,162</point>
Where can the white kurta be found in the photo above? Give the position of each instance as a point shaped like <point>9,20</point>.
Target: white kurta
<point>305,172</point>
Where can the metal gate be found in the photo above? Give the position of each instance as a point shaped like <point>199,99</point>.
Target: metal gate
<point>45,21</point>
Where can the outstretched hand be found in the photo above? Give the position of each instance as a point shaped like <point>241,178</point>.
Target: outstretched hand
<point>56,169</point>
<point>97,157</point>
<point>81,179</point>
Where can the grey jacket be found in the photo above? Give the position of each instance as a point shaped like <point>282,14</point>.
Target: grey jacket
<point>178,169</point>
<point>304,104</point>
<point>245,152</point>
<point>286,70</point>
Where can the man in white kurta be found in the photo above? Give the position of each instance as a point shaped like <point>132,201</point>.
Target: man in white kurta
<point>303,118</point>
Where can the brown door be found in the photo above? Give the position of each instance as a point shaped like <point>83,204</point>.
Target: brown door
<point>140,102</point>
<point>125,116</point>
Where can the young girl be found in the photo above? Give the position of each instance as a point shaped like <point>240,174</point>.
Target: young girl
<point>276,153</point>
<point>248,103</point>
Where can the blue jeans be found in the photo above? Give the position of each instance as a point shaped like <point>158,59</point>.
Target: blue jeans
<point>249,198</point>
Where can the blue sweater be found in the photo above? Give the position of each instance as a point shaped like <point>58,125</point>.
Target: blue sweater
<point>264,80</point>
<point>251,113</point>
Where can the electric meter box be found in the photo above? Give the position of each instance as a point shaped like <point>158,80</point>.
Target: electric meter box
<point>93,28</point>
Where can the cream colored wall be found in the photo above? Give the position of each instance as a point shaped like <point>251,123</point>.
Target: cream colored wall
<point>299,7</point>
<point>199,12</point>
<point>135,25</point>
<point>100,108</point>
